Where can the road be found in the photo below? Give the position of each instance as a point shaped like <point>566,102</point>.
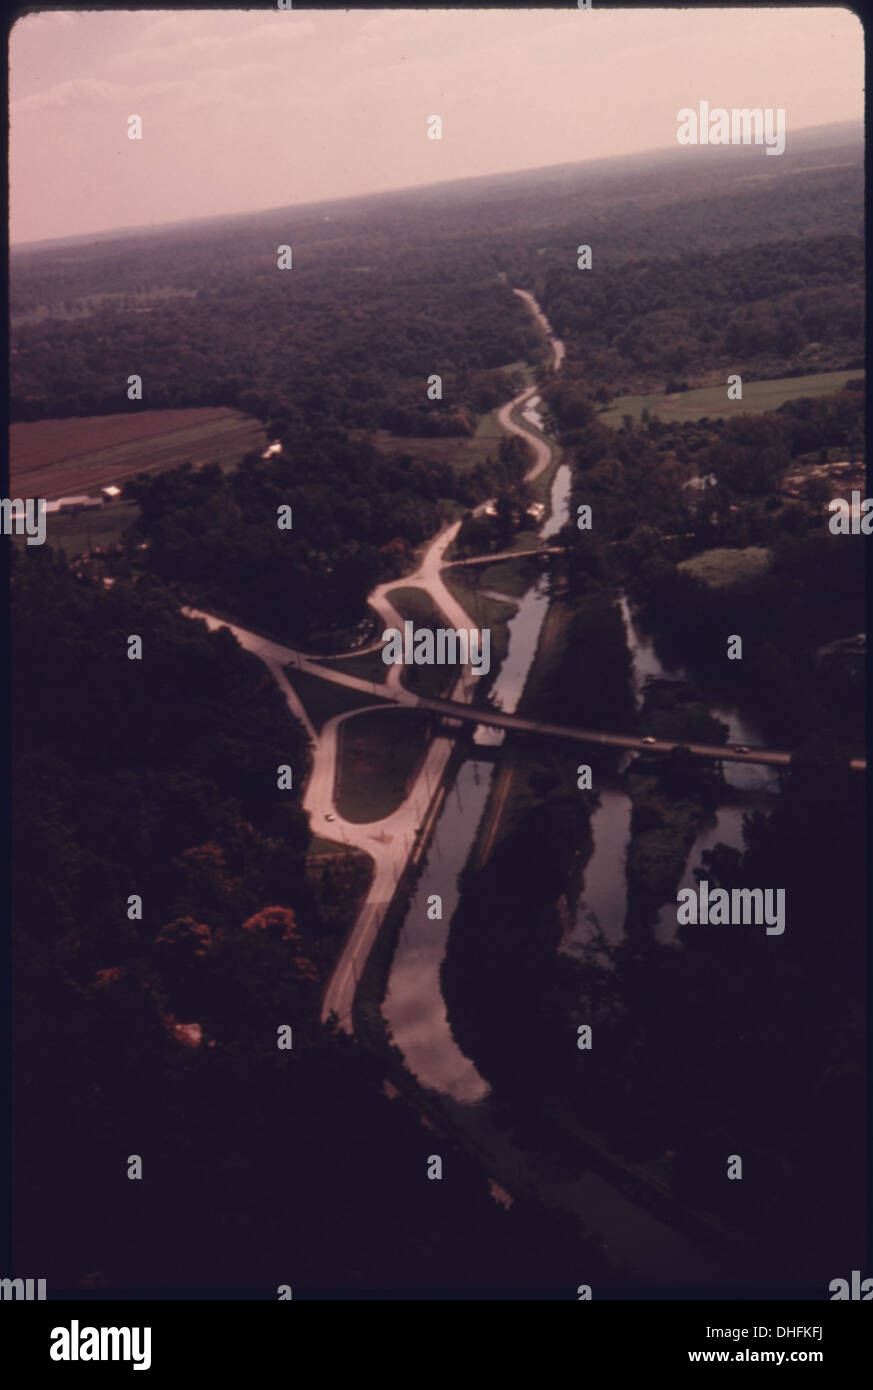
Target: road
<point>505,555</point>
<point>277,656</point>
<point>391,858</point>
<point>772,757</point>
<point>390,841</point>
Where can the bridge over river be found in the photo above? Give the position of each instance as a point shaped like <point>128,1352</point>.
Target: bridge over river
<point>452,709</point>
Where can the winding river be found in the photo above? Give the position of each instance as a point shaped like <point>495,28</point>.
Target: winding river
<point>649,1251</point>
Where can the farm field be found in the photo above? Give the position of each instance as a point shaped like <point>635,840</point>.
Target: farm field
<point>758,396</point>
<point>58,458</point>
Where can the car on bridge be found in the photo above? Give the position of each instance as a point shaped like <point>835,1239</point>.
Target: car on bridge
<point>648,739</point>
<point>740,748</point>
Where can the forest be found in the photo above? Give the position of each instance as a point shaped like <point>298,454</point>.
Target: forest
<point>697,267</point>
<point>357,516</point>
<point>728,1045</point>
<point>647,520</point>
<point>157,1035</point>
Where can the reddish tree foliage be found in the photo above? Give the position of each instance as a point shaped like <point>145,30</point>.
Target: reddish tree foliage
<point>279,923</point>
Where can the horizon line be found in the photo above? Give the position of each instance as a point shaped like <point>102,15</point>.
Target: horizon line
<point>128,228</point>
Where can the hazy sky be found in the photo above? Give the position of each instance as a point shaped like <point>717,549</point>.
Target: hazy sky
<point>244,110</point>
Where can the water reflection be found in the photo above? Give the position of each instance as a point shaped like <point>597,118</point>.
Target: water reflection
<point>727,828</point>
<point>413,1006</point>
<point>559,499</point>
<point>600,911</point>
<point>647,663</point>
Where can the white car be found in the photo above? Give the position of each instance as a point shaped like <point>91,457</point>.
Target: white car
<point>648,739</point>
<point>329,815</point>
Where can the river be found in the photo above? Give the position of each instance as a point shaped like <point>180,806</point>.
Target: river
<point>413,1005</point>
<point>650,1251</point>
<point>645,1250</point>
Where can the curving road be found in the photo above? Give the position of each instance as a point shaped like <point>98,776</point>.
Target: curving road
<point>390,841</point>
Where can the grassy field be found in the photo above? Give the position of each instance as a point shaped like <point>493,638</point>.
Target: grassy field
<point>512,577</point>
<point>323,699</point>
<point>485,611</point>
<point>416,605</point>
<point>58,458</point>
<point>488,428</point>
<point>77,534</point>
<point>758,396</point>
<point>368,666</point>
<point>725,569</point>
<point>461,452</point>
<point>379,753</point>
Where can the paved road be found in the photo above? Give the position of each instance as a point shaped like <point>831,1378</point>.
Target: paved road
<point>556,345</point>
<point>277,656</point>
<point>505,555</point>
<point>389,841</point>
<point>771,756</point>
<point>391,858</point>
<point>542,450</point>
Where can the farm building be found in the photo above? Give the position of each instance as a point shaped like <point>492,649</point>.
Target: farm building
<point>77,504</point>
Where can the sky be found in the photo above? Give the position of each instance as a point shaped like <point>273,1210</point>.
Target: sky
<point>247,110</point>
